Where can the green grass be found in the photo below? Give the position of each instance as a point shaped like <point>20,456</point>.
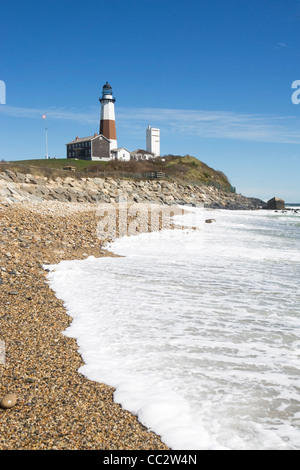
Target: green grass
<point>57,163</point>
<point>185,169</point>
<point>194,171</point>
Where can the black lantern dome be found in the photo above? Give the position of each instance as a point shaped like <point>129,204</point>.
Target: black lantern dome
<point>107,90</point>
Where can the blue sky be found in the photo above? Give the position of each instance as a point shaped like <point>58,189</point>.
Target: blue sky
<point>214,75</point>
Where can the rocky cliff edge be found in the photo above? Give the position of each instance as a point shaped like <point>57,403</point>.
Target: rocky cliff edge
<point>19,187</point>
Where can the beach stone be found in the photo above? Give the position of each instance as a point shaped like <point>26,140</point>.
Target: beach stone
<point>8,401</point>
<point>13,292</point>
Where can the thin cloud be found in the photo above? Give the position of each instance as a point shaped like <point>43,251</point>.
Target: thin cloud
<point>281,45</point>
<point>204,124</point>
<point>52,113</point>
<point>220,124</point>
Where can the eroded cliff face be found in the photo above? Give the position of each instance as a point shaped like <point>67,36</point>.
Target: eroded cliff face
<point>17,187</point>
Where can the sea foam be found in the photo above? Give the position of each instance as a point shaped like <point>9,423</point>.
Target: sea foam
<point>197,330</point>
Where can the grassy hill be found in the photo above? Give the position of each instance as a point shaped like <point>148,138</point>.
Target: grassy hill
<point>185,169</point>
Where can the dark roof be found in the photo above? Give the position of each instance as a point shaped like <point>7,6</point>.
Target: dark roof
<point>142,151</point>
<point>86,139</point>
<point>107,85</point>
<point>120,148</point>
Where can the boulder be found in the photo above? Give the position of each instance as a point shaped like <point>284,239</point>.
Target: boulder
<point>276,204</point>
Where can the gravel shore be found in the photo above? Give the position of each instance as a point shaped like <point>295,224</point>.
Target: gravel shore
<point>57,407</point>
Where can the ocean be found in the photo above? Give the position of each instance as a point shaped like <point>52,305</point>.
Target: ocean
<point>197,329</point>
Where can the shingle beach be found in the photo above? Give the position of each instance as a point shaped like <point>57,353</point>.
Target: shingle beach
<point>56,407</point>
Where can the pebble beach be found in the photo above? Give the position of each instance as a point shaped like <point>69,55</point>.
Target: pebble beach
<point>55,407</point>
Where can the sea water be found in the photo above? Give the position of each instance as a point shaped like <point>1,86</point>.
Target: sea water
<point>197,329</point>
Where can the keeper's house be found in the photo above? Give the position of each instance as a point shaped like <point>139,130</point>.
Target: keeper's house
<point>96,147</point>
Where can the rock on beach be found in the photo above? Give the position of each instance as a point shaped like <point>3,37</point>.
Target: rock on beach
<point>8,401</point>
<point>210,221</point>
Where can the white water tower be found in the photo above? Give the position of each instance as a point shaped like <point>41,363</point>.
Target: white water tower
<point>153,140</point>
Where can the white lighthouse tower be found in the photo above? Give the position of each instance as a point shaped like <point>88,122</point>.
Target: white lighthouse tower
<point>107,119</point>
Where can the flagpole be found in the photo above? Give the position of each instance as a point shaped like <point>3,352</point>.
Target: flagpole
<point>46,144</point>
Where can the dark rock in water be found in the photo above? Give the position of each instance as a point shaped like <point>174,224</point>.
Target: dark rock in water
<point>255,203</point>
<point>210,221</point>
<point>276,204</point>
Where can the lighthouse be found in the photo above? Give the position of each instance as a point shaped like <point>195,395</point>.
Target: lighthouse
<point>107,118</point>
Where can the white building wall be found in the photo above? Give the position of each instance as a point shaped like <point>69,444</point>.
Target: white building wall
<point>113,144</point>
<point>153,140</point>
<point>98,159</point>
<point>121,154</point>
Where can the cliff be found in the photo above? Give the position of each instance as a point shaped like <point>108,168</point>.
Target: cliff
<point>16,186</point>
